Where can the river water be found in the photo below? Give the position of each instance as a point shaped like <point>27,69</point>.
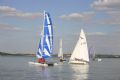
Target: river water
<point>17,68</point>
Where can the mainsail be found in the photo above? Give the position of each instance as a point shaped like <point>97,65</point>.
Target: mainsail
<point>80,52</point>
<point>45,47</point>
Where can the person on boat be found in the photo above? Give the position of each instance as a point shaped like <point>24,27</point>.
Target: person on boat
<point>41,60</point>
<point>61,60</point>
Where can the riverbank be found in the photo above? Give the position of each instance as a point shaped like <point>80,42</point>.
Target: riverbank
<point>55,55</point>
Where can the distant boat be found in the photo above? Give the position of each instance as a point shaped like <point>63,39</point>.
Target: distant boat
<point>80,53</point>
<point>45,48</point>
<point>94,58</point>
<point>60,54</point>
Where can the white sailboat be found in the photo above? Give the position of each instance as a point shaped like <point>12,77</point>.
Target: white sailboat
<point>60,54</point>
<point>80,53</point>
<point>45,48</point>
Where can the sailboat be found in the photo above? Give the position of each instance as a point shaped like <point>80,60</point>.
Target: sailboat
<point>80,53</point>
<point>45,48</point>
<point>60,54</point>
<point>94,58</point>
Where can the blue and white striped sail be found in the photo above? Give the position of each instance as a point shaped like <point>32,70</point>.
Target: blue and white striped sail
<point>46,42</point>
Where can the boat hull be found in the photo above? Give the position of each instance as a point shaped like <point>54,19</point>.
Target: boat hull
<point>40,64</point>
<point>80,62</point>
<point>62,60</point>
<point>97,59</point>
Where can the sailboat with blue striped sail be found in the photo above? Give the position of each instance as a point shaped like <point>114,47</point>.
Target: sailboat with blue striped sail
<point>46,42</point>
<point>45,48</point>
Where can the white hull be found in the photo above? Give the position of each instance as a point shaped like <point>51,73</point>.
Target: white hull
<point>78,62</point>
<point>46,64</point>
<point>98,59</point>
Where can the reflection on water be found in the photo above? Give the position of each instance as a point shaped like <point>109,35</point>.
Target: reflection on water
<point>80,72</point>
<point>44,74</point>
<point>54,72</point>
<point>17,68</point>
<point>63,72</point>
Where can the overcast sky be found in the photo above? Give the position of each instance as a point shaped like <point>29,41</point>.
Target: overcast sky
<point>21,23</point>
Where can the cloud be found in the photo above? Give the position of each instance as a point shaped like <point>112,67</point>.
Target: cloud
<point>78,16</point>
<point>106,4</point>
<point>7,27</point>
<point>12,12</point>
<point>111,12</point>
<point>114,13</point>
<point>113,18</point>
<point>110,21</point>
<point>6,9</point>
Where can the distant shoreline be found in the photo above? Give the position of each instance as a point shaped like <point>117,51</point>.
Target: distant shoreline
<point>65,55</point>
<point>17,54</point>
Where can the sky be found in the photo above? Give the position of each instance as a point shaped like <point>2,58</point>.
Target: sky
<point>21,22</point>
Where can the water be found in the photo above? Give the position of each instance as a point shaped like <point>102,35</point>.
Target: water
<point>17,68</point>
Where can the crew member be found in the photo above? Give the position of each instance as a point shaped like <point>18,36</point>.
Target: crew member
<point>41,60</point>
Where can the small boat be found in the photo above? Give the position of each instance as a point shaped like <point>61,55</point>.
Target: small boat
<point>60,54</point>
<point>80,53</point>
<point>45,48</point>
<point>94,58</point>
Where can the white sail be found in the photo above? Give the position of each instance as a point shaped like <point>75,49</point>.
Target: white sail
<point>60,54</point>
<point>80,52</point>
